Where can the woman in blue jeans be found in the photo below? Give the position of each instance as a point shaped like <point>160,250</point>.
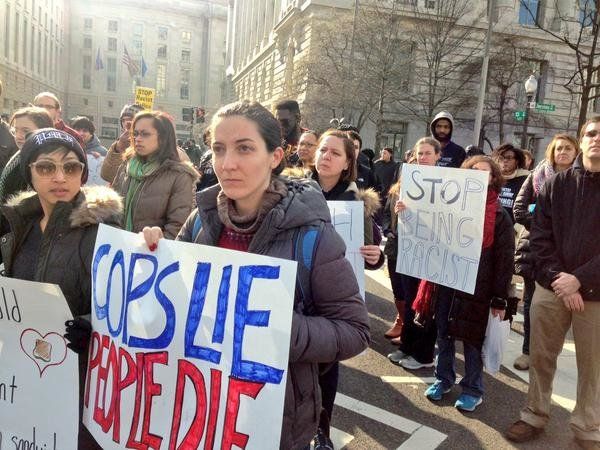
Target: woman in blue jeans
<point>462,316</point>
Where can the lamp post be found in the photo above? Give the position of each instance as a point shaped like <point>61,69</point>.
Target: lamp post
<point>531,86</point>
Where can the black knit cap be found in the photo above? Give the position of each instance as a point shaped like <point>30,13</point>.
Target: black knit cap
<point>44,138</point>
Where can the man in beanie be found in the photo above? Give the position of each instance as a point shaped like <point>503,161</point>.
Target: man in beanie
<point>50,103</point>
<point>114,158</point>
<point>8,147</point>
<point>94,150</point>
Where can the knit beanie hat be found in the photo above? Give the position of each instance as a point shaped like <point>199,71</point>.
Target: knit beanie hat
<point>47,139</point>
<point>129,111</point>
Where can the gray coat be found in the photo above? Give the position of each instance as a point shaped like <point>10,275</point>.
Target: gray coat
<point>340,327</point>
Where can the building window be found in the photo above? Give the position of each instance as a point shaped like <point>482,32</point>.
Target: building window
<point>113,26</point>
<point>32,48</point>
<point>138,29</point>
<point>25,31</point>
<point>163,33</point>
<point>87,23</point>
<point>184,87</point>
<point>186,56</point>
<point>110,120</point>
<point>111,74</point>
<point>112,44</point>
<point>109,132</point>
<point>85,102</point>
<point>430,4</point>
<point>7,32</point>
<point>111,104</point>
<point>16,40</point>
<point>186,37</point>
<point>87,71</point>
<point>87,42</point>
<point>87,81</point>
<point>528,11</point>
<point>137,47</point>
<point>587,12</point>
<point>161,79</point>
<point>162,51</point>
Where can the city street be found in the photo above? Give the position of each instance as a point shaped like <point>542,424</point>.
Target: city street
<point>381,405</point>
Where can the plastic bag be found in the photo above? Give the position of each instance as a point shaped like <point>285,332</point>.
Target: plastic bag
<point>496,337</point>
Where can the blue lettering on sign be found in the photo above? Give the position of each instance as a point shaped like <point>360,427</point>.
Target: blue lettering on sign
<point>140,290</point>
<point>100,311</point>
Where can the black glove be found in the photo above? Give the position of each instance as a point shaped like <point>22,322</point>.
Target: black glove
<point>78,332</point>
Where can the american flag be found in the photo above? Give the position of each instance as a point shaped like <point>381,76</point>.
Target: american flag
<point>132,66</point>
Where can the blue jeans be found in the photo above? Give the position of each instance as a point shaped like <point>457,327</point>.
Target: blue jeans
<point>472,382</point>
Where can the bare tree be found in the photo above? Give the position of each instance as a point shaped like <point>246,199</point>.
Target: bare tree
<point>580,34</point>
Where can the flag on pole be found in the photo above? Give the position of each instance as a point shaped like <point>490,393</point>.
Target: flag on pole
<point>130,63</point>
<point>144,68</point>
<point>99,63</point>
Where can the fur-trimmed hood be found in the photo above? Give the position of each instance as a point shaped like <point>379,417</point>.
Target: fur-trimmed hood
<point>368,196</point>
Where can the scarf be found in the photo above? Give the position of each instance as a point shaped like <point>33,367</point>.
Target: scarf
<point>541,173</point>
<point>137,170</point>
<point>489,222</point>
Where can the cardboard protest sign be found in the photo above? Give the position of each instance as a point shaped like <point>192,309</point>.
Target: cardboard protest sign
<point>441,231</point>
<point>144,96</point>
<point>39,376</point>
<point>190,345</point>
<point>348,219</point>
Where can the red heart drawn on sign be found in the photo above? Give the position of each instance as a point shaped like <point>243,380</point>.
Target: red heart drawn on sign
<point>45,351</point>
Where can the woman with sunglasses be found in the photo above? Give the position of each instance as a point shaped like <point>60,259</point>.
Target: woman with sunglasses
<point>157,188</point>
<point>54,227</point>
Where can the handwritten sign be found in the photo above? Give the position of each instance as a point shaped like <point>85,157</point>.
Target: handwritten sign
<point>144,97</point>
<point>440,232</point>
<point>190,345</point>
<point>39,376</point>
<point>348,219</point>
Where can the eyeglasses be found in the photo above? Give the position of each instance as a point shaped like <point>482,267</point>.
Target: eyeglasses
<point>142,134</point>
<point>47,169</point>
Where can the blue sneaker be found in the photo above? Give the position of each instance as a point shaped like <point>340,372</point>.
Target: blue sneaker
<point>468,402</point>
<point>436,391</point>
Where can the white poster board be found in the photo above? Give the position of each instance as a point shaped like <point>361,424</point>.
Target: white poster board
<point>348,219</point>
<point>190,345</point>
<point>39,378</point>
<point>440,232</point>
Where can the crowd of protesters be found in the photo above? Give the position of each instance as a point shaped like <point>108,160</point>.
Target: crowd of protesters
<point>264,179</point>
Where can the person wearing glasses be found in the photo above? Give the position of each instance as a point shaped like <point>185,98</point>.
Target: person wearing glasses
<point>50,103</point>
<point>304,157</point>
<point>512,164</point>
<point>54,226</point>
<point>22,123</point>
<point>157,188</point>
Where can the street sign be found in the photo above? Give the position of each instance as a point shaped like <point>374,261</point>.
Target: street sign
<point>520,115</point>
<point>545,107</point>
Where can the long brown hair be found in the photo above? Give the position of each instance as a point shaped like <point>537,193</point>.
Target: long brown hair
<point>167,139</point>
<point>497,180</point>
<point>348,174</point>
<point>552,146</point>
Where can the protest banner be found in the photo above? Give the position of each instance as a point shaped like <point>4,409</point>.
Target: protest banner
<point>348,220</point>
<point>190,345</point>
<point>440,232</point>
<point>144,96</point>
<point>39,376</point>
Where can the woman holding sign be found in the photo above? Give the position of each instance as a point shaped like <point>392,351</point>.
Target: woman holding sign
<point>252,209</point>
<point>157,188</point>
<point>54,227</point>
<point>462,316</point>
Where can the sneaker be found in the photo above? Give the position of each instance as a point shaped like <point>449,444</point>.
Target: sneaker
<point>522,362</point>
<point>411,363</point>
<point>436,391</point>
<point>588,445</point>
<point>468,402</point>
<point>522,432</point>
<point>396,356</point>
<point>321,441</point>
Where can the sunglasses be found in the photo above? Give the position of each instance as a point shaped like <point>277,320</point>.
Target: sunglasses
<point>47,169</point>
<point>142,134</point>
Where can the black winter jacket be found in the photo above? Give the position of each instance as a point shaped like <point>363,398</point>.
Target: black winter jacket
<point>524,262</point>
<point>564,233</point>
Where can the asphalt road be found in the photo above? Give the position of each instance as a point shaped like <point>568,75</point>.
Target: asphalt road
<point>375,414</point>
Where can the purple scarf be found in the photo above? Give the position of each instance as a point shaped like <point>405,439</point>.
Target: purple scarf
<point>541,173</point>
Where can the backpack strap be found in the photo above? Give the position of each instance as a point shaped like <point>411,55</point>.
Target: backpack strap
<point>197,227</point>
<point>303,252</point>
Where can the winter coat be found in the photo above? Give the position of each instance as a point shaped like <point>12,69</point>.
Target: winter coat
<point>524,262</point>
<point>112,162</point>
<point>453,155</point>
<point>68,240</point>
<point>564,231</point>
<point>340,327</point>
<point>94,145</point>
<point>468,316</point>
<point>11,180</point>
<point>508,192</point>
<point>385,174</point>
<point>8,147</point>
<point>165,198</point>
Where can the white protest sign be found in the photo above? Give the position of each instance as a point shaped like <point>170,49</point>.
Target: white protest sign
<point>348,219</point>
<point>190,345</point>
<point>440,232</point>
<point>39,377</point>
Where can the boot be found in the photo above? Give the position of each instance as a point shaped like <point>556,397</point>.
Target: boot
<point>396,329</point>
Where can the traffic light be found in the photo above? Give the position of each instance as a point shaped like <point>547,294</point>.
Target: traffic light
<point>200,115</point>
<point>188,114</point>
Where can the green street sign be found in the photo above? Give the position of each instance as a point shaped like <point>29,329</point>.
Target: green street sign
<point>545,107</point>
<point>520,115</point>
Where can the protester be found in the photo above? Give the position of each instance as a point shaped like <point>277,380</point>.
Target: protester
<point>529,159</point>
<point>50,103</point>
<point>462,316</point>
<point>335,171</point>
<point>416,343</point>
<point>22,122</point>
<point>384,170</point>
<point>288,115</point>
<point>364,175</point>
<point>560,155</point>
<point>156,186</point>
<point>207,173</point>
<point>114,158</point>
<point>512,163</point>
<point>8,146</point>
<point>441,128</point>
<point>305,155</point>
<point>473,150</point>
<point>370,154</point>
<point>93,149</point>
<point>54,227</point>
<point>566,251</point>
<point>253,209</point>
